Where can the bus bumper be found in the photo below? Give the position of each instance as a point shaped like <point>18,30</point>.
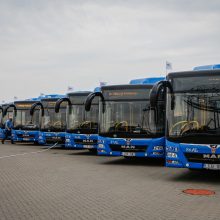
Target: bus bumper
<point>192,156</point>
<point>25,136</point>
<point>48,138</point>
<point>81,141</point>
<point>153,148</point>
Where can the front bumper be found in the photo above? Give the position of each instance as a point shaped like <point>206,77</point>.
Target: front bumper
<point>153,148</point>
<point>193,156</point>
<point>25,136</point>
<point>47,138</point>
<point>81,141</point>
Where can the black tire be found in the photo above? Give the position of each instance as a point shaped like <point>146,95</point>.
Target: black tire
<point>94,151</point>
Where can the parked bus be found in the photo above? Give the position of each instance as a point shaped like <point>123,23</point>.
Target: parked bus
<point>193,117</point>
<point>82,126</point>
<point>52,125</point>
<point>128,126</point>
<point>26,127</point>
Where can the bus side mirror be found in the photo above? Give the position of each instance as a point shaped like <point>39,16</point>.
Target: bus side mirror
<point>33,107</point>
<point>157,88</point>
<point>90,98</point>
<point>59,102</point>
<point>6,109</point>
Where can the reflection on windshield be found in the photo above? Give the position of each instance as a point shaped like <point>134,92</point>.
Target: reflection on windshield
<point>130,117</point>
<point>195,114</point>
<point>54,121</point>
<point>24,120</point>
<point>81,121</point>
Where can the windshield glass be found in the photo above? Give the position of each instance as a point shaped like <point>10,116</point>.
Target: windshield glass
<point>196,113</point>
<point>24,120</point>
<point>53,121</point>
<point>80,121</point>
<point>132,118</point>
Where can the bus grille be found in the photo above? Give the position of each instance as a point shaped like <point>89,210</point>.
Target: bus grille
<point>25,135</point>
<point>201,158</point>
<point>59,140</point>
<point>128,148</point>
<point>85,141</point>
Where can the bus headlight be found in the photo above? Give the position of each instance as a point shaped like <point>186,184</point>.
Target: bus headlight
<point>101,146</point>
<point>171,155</point>
<point>174,149</point>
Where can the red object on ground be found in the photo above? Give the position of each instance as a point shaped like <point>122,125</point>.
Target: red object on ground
<point>199,192</point>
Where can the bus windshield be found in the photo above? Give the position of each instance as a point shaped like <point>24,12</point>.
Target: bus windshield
<point>80,121</point>
<point>196,116</point>
<point>53,121</point>
<point>24,120</point>
<point>131,118</point>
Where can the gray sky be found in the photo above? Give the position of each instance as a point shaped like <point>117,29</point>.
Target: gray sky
<point>46,46</point>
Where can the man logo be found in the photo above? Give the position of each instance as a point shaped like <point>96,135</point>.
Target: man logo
<point>213,148</point>
<point>128,141</point>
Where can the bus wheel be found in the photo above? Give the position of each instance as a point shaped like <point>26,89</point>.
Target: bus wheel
<point>94,151</point>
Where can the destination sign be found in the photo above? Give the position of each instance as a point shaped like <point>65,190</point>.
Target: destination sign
<point>127,94</point>
<point>81,99</point>
<point>24,105</point>
<point>51,104</point>
<point>197,83</point>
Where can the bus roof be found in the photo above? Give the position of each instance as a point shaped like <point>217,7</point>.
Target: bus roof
<point>207,67</point>
<point>97,89</point>
<point>51,96</point>
<point>149,81</point>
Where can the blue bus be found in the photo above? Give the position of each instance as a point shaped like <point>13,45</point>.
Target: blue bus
<point>26,127</point>
<point>52,125</point>
<point>82,126</point>
<point>128,126</point>
<point>193,117</point>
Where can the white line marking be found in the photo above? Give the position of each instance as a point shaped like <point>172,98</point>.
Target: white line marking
<point>34,152</point>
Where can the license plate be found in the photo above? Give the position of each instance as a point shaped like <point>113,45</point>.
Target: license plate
<point>26,139</point>
<point>88,146</point>
<point>128,154</point>
<point>212,166</point>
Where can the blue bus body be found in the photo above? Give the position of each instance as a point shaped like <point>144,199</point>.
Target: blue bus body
<point>193,121</point>
<point>124,143</point>
<point>52,125</point>
<point>26,128</point>
<point>82,126</point>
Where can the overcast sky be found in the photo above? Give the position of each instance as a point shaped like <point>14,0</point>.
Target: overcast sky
<point>48,45</point>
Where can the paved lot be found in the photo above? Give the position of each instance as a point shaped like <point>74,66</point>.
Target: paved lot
<point>67,184</point>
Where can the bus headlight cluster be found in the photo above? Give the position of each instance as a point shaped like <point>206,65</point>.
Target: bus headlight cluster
<point>173,162</point>
<point>173,149</point>
<point>101,141</point>
<point>158,148</point>
<point>171,155</point>
<point>101,146</point>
